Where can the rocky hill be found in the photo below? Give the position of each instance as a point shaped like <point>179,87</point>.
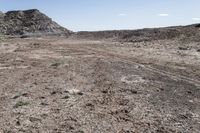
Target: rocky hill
<point>29,23</point>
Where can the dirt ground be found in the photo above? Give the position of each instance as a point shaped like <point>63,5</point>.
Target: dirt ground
<point>57,85</point>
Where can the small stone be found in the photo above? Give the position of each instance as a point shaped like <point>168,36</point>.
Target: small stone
<point>41,97</point>
<point>105,91</point>
<point>25,94</point>
<point>18,123</point>
<point>183,48</point>
<point>53,93</point>
<point>66,97</point>
<point>19,95</point>
<point>33,119</point>
<point>191,101</point>
<point>15,97</point>
<point>44,104</point>
<point>74,92</point>
<point>134,92</point>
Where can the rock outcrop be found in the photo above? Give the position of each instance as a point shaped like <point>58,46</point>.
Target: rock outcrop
<point>29,23</point>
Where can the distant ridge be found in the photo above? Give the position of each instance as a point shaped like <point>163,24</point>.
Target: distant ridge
<point>29,23</point>
<point>186,33</point>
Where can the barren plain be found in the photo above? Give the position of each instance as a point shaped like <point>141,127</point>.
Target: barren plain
<point>59,85</point>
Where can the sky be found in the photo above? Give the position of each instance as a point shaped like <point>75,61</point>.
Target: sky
<point>93,15</point>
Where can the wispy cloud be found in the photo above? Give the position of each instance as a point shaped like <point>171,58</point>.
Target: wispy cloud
<point>196,19</point>
<point>122,14</point>
<point>163,15</point>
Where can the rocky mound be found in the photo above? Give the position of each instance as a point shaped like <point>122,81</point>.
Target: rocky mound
<point>29,22</point>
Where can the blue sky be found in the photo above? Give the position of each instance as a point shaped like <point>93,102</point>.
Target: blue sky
<point>81,15</point>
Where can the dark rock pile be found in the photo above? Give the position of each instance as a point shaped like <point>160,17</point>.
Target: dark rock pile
<point>29,23</point>
<point>198,25</point>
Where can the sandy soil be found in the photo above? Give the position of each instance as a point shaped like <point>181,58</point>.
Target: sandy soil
<point>58,85</point>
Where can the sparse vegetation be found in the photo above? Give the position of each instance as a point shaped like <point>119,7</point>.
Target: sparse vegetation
<point>56,64</point>
<point>2,37</point>
<point>20,104</point>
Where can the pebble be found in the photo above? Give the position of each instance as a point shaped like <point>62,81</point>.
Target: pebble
<point>74,92</point>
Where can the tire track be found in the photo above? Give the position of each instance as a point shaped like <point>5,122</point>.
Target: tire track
<point>129,60</point>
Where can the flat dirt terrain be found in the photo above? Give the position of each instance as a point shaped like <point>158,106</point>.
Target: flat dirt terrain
<point>57,85</point>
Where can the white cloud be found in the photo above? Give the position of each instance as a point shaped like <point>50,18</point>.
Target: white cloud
<point>196,19</point>
<point>122,14</point>
<point>163,15</point>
